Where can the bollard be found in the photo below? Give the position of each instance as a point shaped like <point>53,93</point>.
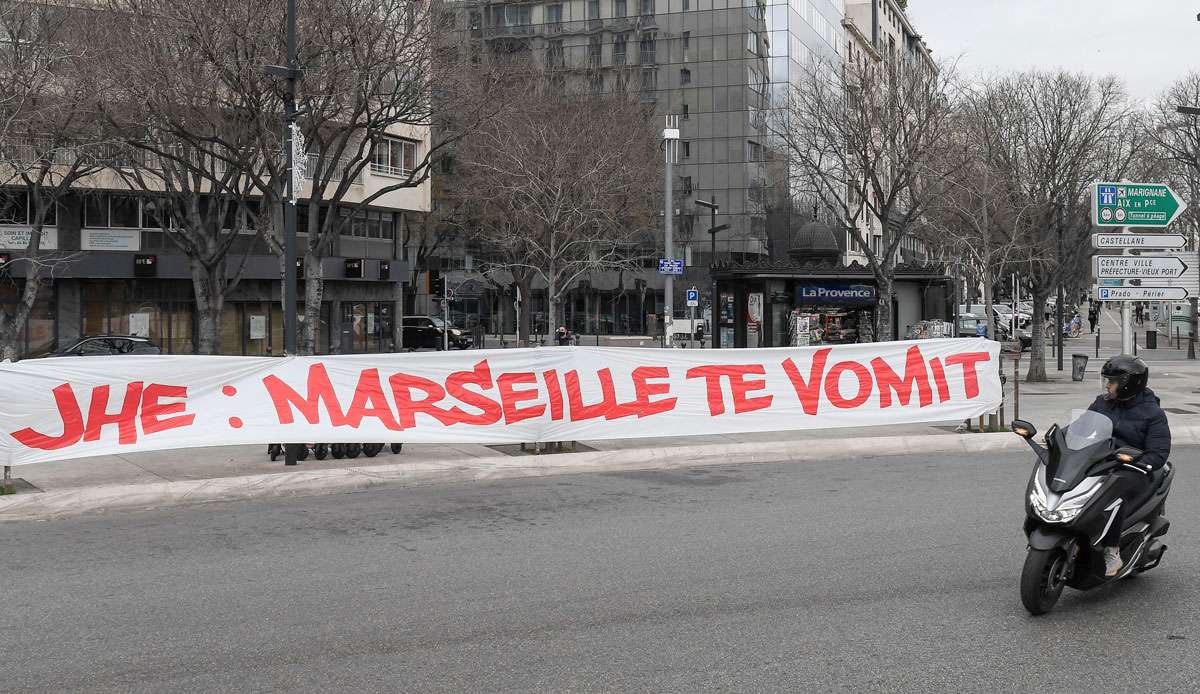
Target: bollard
<point>1097,343</point>
<point>7,487</point>
<point>1177,345</point>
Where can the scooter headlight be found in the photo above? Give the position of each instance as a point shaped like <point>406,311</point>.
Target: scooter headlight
<point>1065,511</point>
<point>1038,504</point>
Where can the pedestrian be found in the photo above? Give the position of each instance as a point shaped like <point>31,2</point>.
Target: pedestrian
<point>562,338</point>
<point>1094,317</point>
<point>1137,311</point>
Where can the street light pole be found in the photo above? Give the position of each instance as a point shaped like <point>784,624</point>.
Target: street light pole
<point>291,73</point>
<point>1058,328</point>
<point>713,328</point>
<point>670,143</point>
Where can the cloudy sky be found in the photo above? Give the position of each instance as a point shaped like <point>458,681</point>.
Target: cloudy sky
<point>1149,43</point>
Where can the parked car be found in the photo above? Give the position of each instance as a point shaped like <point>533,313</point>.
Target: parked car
<point>100,345</point>
<point>971,316</point>
<point>425,332</point>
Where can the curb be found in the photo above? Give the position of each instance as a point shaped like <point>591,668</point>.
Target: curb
<point>134,497</point>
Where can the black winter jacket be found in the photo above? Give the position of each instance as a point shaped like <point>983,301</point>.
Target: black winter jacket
<point>1141,423</point>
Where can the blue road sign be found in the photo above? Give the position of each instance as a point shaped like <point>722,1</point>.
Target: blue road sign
<point>670,267</point>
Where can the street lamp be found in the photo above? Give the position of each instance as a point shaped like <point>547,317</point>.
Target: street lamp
<point>712,262</point>
<point>291,73</point>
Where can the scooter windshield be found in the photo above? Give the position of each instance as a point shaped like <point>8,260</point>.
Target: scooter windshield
<point>1087,428</point>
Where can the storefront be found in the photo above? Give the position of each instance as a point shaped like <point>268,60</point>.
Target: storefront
<point>773,304</point>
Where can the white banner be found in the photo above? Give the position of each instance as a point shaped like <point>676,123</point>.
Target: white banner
<point>53,409</point>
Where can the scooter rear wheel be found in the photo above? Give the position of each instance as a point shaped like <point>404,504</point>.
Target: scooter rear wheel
<point>1042,579</point>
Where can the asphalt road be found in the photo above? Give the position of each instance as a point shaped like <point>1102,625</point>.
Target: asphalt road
<point>884,574</point>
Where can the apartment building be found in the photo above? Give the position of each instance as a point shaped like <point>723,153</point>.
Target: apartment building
<point>115,271</point>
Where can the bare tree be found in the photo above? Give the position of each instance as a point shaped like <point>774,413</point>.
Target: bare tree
<point>371,74</point>
<point>1058,133</point>
<point>864,139</point>
<point>1176,139</point>
<point>558,187</point>
<point>973,217</point>
<point>50,136</point>
<point>191,137</point>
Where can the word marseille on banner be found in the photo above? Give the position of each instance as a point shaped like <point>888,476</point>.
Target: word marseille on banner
<point>53,409</point>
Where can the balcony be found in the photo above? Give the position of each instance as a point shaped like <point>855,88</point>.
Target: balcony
<point>514,30</point>
<point>311,166</point>
<point>385,170</point>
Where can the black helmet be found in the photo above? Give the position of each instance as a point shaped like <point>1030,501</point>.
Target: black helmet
<point>1129,373</point>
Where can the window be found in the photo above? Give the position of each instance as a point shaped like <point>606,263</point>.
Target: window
<point>619,43</point>
<point>685,147</point>
<point>752,43</point>
<point>686,6</point>
<point>394,157</point>
<point>594,51</point>
<point>554,54</point>
<point>619,9</point>
<point>593,9</point>
<point>95,211</point>
<point>124,212</point>
<point>687,39</point>
<point>686,185</point>
<point>597,83</point>
<point>647,8</point>
<point>14,207</point>
<point>648,48</point>
<point>684,112</point>
<point>754,151</point>
<point>685,76</point>
<point>649,79</point>
<point>554,17</point>
<point>512,15</point>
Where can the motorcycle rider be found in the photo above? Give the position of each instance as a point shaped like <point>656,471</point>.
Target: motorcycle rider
<point>1138,421</point>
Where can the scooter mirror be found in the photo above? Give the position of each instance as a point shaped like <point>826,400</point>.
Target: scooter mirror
<point>1023,429</point>
<point>1128,454</point>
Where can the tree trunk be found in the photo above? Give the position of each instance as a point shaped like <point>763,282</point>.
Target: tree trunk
<point>883,306</point>
<point>552,318</point>
<point>10,344</point>
<point>314,289</point>
<point>208,285</point>
<point>12,325</point>
<point>525,318</point>
<point>1037,352</point>
<point>987,303</point>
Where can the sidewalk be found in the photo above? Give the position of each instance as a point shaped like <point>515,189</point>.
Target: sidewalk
<point>207,474</point>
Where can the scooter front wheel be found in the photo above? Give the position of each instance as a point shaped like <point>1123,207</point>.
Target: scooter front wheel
<point>1042,579</point>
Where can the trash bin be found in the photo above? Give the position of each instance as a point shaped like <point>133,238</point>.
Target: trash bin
<point>1151,339</point>
<point>1078,366</point>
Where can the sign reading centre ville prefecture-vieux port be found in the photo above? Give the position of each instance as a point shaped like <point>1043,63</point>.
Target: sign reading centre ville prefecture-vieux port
<point>1135,205</point>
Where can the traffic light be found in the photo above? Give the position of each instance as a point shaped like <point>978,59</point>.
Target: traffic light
<point>437,286</point>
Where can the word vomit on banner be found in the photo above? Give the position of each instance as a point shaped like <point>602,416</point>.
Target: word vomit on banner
<point>515,395</point>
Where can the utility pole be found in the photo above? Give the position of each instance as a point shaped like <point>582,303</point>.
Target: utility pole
<point>291,138</point>
<point>670,144</point>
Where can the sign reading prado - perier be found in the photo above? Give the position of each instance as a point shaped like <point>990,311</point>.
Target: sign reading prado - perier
<point>1135,205</point>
